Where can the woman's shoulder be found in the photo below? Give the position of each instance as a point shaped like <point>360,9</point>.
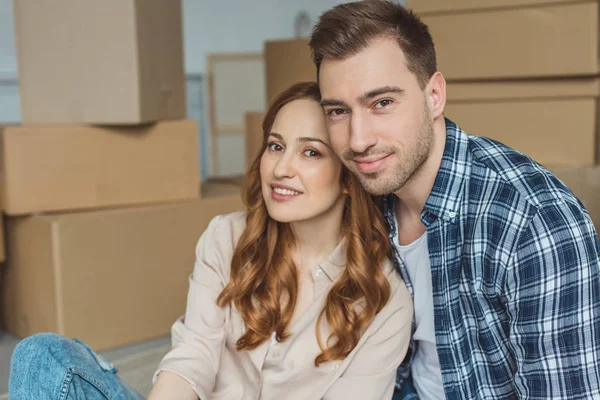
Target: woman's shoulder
<point>222,232</point>
<point>232,223</point>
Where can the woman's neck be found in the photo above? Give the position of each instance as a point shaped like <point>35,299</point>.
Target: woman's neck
<point>318,237</point>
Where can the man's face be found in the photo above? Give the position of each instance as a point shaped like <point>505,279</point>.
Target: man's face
<point>377,115</point>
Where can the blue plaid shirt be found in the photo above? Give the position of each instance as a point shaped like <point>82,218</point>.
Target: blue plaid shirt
<point>515,266</point>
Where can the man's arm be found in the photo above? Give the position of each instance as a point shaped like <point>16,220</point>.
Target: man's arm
<point>553,297</point>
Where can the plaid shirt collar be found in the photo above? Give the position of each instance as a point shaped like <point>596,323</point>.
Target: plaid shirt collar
<point>448,189</point>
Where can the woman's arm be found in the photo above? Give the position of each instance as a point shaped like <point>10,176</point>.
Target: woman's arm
<point>170,386</point>
<point>372,372</point>
<point>191,365</point>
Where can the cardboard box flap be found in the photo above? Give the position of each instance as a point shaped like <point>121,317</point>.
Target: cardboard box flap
<point>449,6</point>
<point>523,89</point>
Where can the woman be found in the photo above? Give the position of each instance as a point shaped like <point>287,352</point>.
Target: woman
<point>294,298</point>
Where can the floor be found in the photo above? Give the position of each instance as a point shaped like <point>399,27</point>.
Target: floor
<point>8,343</point>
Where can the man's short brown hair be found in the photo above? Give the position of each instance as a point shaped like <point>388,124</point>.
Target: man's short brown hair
<point>348,28</point>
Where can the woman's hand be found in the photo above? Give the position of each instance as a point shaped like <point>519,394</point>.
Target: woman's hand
<point>170,386</point>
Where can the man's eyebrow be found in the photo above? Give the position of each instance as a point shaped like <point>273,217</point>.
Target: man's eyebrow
<point>378,92</point>
<point>333,102</point>
<point>362,99</point>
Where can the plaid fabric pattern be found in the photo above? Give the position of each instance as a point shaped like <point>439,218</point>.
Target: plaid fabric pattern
<point>515,265</point>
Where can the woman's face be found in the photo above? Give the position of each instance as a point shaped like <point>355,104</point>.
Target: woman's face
<point>299,171</point>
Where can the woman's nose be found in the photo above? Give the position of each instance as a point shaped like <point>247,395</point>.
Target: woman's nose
<point>285,167</point>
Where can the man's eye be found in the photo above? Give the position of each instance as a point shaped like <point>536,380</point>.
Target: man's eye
<point>383,103</point>
<point>336,111</point>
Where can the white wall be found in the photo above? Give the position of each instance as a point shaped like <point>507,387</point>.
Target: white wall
<point>240,25</point>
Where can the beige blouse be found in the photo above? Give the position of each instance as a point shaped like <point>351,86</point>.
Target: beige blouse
<point>204,341</point>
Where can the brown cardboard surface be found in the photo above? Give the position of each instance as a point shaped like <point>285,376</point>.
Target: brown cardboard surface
<point>254,135</point>
<point>554,122</point>
<point>287,62</point>
<point>585,184</point>
<point>448,6</point>
<point>56,167</point>
<point>110,62</point>
<point>556,40</point>
<point>215,187</point>
<point>2,246</point>
<point>523,89</point>
<point>107,277</point>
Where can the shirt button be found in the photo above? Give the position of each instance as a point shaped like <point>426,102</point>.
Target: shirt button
<point>451,214</point>
<point>318,272</point>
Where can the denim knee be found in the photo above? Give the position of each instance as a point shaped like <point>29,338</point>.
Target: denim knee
<point>39,365</point>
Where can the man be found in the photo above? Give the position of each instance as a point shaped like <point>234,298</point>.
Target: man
<point>501,259</point>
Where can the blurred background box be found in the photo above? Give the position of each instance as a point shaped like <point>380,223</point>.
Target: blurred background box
<point>55,167</point>
<point>555,122</point>
<point>558,39</point>
<point>108,62</point>
<point>452,6</point>
<point>107,277</point>
<point>585,184</point>
<point>287,62</point>
<point>236,85</point>
<point>254,135</point>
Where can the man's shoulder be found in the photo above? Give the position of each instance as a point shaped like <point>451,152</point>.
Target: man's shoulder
<point>496,164</point>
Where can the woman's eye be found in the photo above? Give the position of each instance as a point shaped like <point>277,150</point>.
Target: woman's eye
<point>274,147</point>
<point>311,153</point>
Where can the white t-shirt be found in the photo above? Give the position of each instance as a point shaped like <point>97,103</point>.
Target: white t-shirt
<point>425,367</point>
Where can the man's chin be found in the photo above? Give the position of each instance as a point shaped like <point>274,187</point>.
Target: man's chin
<point>373,184</point>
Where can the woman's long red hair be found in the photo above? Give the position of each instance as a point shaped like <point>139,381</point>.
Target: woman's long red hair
<point>264,283</point>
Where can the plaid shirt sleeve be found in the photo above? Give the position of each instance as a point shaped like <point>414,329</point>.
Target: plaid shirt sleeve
<point>552,289</point>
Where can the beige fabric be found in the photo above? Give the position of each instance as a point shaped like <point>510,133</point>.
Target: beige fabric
<point>204,341</point>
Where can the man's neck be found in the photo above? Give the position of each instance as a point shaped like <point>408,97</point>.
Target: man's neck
<point>412,197</point>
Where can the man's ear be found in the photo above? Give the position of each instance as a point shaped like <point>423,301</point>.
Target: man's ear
<point>436,94</point>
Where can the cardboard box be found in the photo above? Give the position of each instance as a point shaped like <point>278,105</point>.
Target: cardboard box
<point>553,121</point>
<point>2,245</point>
<point>254,135</point>
<point>558,40</point>
<point>108,277</point>
<point>456,6</point>
<point>108,62</point>
<point>226,186</point>
<point>69,167</point>
<point>585,184</point>
<point>287,62</point>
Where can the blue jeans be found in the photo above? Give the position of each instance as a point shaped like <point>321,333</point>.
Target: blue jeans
<point>47,366</point>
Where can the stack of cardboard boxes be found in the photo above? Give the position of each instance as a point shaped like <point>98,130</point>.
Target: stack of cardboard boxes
<point>100,183</point>
<point>523,72</point>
